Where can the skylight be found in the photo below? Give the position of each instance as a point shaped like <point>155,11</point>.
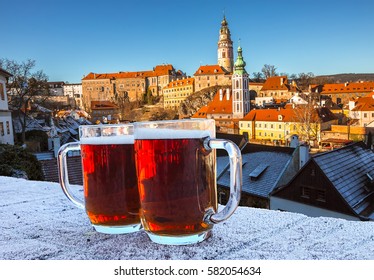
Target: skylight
<point>256,173</point>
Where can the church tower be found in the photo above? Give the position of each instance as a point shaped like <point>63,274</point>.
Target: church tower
<point>240,91</point>
<point>225,51</point>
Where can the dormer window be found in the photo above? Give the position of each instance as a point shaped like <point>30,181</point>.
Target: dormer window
<point>280,118</point>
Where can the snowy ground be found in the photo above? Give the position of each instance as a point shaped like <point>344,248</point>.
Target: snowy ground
<point>38,222</point>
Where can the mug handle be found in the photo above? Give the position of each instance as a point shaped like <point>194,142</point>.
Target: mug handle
<point>236,180</point>
<point>63,172</point>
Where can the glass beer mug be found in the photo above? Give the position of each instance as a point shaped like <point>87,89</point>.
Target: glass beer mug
<point>176,168</point>
<point>111,197</point>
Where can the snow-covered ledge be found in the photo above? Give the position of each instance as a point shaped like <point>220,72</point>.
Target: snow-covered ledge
<point>38,222</point>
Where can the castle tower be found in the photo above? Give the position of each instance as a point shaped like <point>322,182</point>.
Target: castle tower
<point>225,51</point>
<point>240,91</point>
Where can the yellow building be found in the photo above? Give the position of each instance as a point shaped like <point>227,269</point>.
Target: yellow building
<point>177,91</point>
<point>269,125</point>
<point>276,126</point>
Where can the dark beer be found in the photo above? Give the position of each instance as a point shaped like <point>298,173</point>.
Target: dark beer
<point>110,184</point>
<point>176,180</point>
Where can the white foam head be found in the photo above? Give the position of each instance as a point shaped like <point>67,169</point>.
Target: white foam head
<point>108,140</point>
<point>165,133</point>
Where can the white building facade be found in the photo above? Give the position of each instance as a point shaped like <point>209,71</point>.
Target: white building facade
<point>74,91</point>
<point>6,125</point>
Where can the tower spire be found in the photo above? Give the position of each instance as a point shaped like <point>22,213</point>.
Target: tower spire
<point>225,50</point>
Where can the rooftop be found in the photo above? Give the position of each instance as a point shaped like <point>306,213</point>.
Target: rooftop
<point>38,222</point>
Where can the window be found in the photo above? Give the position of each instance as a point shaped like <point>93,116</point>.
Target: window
<point>321,196</point>
<point>306,192</point>
<point>2,93</point>
<point>365,115</point>
<point>1,129</point>
<point>7,127</point>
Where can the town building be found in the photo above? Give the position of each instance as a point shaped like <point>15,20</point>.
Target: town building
<point>126,86</point>
<point>104,112</point>
<point>361,110</point>
<point>276,126</point>
<point>74,92</point>
<point>343,92</point>
<point>279,88</point>
<point>211,75</point>
<point>177,91</point>
<point>338,183</point>
<point>56,88</point>
<point>6,124</point>
<point>264,168</point>
<point>232,103</point>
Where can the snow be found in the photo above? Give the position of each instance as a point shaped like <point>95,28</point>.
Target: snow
<point>38,222</point>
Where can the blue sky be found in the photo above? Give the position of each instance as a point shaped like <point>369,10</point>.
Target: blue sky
<point>70,38</point>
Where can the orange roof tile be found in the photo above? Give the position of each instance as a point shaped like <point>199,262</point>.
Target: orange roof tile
<point>288,115</point>
<point>217,106</point>
<point>348,87</point>
<point>210,70</point>
<point>364,104</point>
<point>180,83</point>
<point>271,115</point>
<point>159,70</point>
<point>201,113</point>
<point>279,83</point>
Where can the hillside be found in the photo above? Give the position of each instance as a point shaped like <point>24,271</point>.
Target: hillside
<point>348,77</point>
<point>197,100</point>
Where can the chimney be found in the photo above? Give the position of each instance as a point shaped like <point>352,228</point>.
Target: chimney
<point>303,154</point>
<point>352,104</point>
<point>228,94</point>
<point>281,80</point>
<point>220,94</point>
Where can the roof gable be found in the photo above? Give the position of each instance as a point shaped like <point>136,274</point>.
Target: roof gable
<point>265,166</point>
<point>278,83</point>
<point>210,70</point>
<point>347,170</point>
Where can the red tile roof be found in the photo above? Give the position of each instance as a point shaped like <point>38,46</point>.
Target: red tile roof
<point>201,113</point>
<point>279,83</point>
<point>271,115</point>
<point>180,83</point>
<point>159,70</point>
<point>217,106</point>
<point>288,115</point>
<point>348,88</point>
<point>364,104</point>
<point>210,70</point>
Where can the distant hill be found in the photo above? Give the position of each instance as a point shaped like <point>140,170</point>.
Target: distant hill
<point>347,77</point>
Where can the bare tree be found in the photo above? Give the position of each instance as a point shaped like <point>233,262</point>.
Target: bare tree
<point>23,87</point>
<point>309,122</point>
<point>258,77</point>
<point>269,71</point>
